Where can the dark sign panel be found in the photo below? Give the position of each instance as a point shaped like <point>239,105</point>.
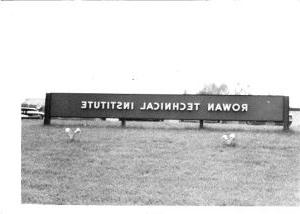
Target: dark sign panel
<point>155,106</point>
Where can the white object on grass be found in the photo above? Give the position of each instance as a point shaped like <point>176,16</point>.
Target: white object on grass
<point>72,135</point>
<point>77,130</point>
<point>229,140</point>
<point>232,135</point>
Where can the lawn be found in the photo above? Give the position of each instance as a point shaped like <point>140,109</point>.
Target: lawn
<point>159,163</point>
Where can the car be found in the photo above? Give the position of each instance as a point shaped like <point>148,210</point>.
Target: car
<point>31,113</point>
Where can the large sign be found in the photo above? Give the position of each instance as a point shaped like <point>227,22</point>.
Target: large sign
<point>162,106</point>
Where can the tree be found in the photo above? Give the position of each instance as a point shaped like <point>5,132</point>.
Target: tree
<point>223,89</point>
<point>241,90</point>
<point>212,88</point>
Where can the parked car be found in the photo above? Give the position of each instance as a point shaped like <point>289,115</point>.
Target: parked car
<point>31,113</point>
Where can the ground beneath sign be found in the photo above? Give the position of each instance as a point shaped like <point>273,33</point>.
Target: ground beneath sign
<point>163,163</point>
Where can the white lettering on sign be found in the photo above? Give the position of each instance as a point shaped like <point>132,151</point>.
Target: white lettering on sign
<point>107,105</point>
<point>167,106</point>
<point>197,106</point>
<point>156,106</point>
<point>244,107</point>
<point>90,104</point>
<point>175,106</point>
<point>119,105</point>
<point>183,106</point>
<point>126,105</point>
<point>97,105</point>
<point>160,106</point>
<point>83,104</point>
<point>218,107</point>
<point>190,107</point>
<point>227,107</point>
<point>149,106</point>
<point>236,107</point>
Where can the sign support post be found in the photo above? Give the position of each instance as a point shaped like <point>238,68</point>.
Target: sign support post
<point>123,122</point>
<point>200,124</point>
<point>47,118</point>
<point>286,110</point>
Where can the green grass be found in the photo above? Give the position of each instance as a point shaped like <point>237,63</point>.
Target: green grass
<point>159,164</point>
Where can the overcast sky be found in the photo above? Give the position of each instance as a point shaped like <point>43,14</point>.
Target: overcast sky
<point>146,47</point>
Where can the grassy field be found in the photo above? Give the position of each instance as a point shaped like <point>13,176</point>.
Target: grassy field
<point>163,163</point>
